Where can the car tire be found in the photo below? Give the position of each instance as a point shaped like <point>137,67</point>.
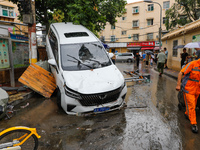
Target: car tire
<point>129,60</point>
<point>58,98</point>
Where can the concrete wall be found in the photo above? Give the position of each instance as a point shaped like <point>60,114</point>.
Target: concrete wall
<point>175,62</point>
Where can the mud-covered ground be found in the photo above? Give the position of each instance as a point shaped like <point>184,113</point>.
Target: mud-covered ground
<point>150,121</point>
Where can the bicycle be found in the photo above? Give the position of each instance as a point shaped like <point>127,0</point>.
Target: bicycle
<point>19,138</point>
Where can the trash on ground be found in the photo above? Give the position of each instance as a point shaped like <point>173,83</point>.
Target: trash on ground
<point>15,97</point>
<point>136,76</point>
<point>25,105</point>
<point>39,80</point>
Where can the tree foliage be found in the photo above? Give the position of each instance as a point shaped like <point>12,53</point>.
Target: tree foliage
<point>92,14</point>
<point>182,12</point>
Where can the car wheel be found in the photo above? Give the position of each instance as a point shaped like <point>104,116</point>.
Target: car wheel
<point>129,60</point>
<point>58,98</point>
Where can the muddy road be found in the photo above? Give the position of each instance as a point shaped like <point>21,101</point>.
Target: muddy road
<point>150,121</point>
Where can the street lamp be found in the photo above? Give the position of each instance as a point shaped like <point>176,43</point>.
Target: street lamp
<point>160,29</point>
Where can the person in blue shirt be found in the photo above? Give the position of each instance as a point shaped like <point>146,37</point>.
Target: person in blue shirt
<point>143,56</point>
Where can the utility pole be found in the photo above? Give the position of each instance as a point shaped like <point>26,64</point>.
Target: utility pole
<point>32,35</point>
<point>28,10</point>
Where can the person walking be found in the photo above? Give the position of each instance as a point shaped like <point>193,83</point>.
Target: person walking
<point>114,57</point>
<point>143,56</point>
<point>191,90</point>
<point>184,56</point>
<point>147,59</point>
<point>137,56</point>
<point>161,62</point>
<point>166,54</point>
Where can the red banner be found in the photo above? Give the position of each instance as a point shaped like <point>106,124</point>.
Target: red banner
<point>141,44</point>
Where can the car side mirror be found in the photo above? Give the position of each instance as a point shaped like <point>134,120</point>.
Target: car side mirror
<point>110,55</point>
<point>52,62</point>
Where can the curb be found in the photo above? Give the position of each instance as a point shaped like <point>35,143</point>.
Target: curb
<point>25,97</point>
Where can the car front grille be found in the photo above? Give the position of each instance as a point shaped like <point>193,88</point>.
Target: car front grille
<point>100,98</point>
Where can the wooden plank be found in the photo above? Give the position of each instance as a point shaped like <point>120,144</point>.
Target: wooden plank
<point>39,80</point>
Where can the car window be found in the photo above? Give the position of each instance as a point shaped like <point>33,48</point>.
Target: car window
<point>83,56</point>
<point>54,44</point>
<point>127,54</point>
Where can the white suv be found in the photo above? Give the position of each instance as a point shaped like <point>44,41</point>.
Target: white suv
<point>127,57</point>
<point>87,80</point>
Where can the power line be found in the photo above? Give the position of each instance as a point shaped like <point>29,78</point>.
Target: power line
<point>129,36</point>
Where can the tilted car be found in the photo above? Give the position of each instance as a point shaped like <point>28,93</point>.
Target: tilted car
<point>87,80</point>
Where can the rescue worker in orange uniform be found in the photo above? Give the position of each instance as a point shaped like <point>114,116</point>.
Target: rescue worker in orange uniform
<point>191,90</point>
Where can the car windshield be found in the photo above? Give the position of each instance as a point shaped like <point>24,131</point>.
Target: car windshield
<point>83,56</point>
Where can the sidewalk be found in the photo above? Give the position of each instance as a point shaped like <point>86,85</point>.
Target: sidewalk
<point>17,94</point>
<point>169,72</point>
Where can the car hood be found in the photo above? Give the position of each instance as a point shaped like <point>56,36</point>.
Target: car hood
<point>94,81</point>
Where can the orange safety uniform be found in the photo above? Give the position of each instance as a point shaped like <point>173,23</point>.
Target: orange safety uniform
<point>191,88</point>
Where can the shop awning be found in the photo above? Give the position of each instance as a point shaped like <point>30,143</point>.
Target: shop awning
<point>134,48</point>
<point>147,48</point>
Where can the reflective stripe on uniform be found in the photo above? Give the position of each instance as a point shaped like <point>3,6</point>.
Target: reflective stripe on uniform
<point>187,67</point>
<point>186,104</point>
<point>195,69</point>
<point>193,80</point>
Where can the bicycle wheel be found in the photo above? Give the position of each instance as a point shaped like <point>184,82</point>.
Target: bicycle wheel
<point>30,144</point>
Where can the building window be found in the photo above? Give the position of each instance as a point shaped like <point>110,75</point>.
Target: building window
<point>149,22</point>
<point>7,11</point>
<point>164,20</point>
<point>166,4</point>
<point>123,32</point>
<point>112,27</point>
<point>123,18</point>
<point>135,10</point>
<point>136,23</point>
<point>175,43</point>
<point>112,38</point>
<point>136,37</point>
<point>149,36</point>
<point>150,7</point>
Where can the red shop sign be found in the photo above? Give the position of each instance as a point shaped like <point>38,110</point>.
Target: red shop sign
<point>141,44</point>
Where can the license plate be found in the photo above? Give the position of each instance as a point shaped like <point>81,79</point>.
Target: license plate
<point>102,109</point>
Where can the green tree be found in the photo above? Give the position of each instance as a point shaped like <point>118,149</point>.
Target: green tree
<point>92,14</point>
<point>182,12</point>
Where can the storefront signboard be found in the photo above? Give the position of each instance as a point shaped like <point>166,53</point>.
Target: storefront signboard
<point>20,54</point>
<point>4,54</point>
<point>141,44</point>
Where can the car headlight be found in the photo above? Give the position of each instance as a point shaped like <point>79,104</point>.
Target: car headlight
<point>71,93</point>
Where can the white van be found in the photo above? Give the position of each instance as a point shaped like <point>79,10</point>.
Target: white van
<point>87,80</point>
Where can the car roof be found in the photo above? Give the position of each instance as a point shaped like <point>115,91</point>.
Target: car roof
<point>65,30</point>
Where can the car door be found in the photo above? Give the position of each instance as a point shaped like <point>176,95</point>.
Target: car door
<point>54,49</point>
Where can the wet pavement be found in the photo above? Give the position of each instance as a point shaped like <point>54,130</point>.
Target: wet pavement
<point>151,120</point>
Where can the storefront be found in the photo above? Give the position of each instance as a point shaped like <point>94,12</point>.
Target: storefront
<point>181,36</point>
<point>14,57</point>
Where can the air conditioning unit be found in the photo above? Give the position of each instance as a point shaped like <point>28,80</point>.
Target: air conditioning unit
<point>27,18</point>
